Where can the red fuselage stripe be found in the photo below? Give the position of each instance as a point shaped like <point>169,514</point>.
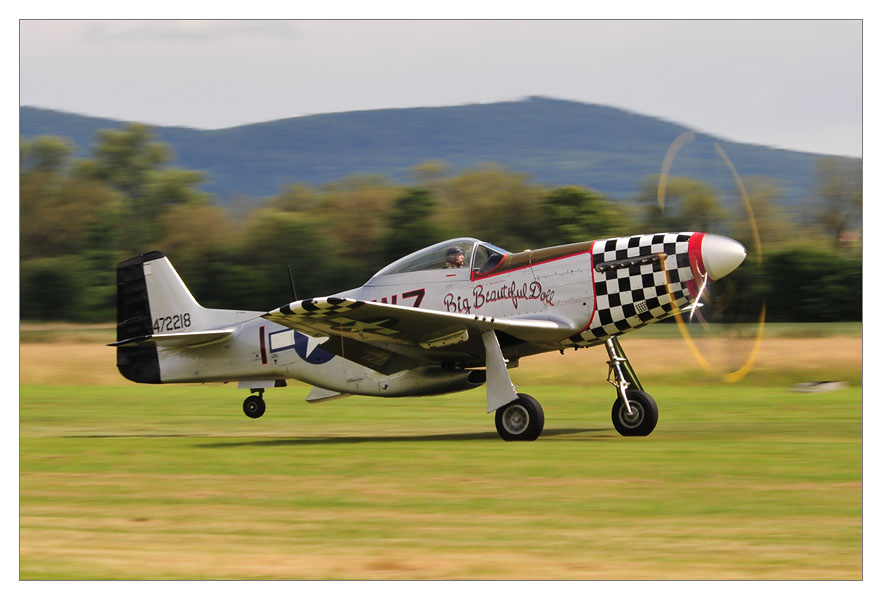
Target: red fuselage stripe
<point>593,293</point>
<point>531,265</point>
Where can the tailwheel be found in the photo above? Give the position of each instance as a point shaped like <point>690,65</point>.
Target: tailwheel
<point>520,420</point>
<point>254,406</point>
<point>643,415</point>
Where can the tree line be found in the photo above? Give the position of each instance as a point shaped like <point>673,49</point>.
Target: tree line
<point>81,216</point>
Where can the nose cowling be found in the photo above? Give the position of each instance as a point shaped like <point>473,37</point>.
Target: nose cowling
<point>721,255</point>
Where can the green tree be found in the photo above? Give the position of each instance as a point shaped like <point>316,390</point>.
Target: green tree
<point>178,222</point>
<point>354,215</point>
<point>430,174</point>
<point>688,205</point>
<point>811,284</point>
<point>765,217</point>
<point>573,214</point>
<point>410,224</point>
<point>295,198</point>
<point>57,208</point>
<point>490,203</point>
<point>47,154</point>
<point>132,162</point>
<point>839,196</point>
<point>272,240</point>
<point>126,158</point>
<point>56,214</point>
<point>53,289</point>
<point>208,259</point>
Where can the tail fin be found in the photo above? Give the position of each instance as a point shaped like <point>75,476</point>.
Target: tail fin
<point>152,298</point>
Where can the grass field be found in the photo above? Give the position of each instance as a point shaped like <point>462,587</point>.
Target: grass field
<point>743,481</point>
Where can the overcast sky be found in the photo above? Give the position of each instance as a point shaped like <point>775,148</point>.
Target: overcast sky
<point>788,84</point>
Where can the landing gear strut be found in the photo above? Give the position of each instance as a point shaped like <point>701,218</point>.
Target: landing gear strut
<point>634,412</point>
<point>519,417</point>
<point>254,406</point>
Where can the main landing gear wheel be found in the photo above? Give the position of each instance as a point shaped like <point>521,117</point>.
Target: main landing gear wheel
<point>254,406</point>
<point>520,420</point>
<point>643,417</point>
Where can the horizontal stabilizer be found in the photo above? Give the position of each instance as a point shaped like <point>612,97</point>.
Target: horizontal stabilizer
<point>177,340</point>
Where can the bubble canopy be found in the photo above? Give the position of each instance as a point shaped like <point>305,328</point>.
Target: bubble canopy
<point>441,256</point>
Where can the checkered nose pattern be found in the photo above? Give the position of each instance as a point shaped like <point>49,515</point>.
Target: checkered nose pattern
<point>637,280</point>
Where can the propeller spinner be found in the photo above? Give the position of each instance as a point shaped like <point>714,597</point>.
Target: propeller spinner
<point>720,256</point>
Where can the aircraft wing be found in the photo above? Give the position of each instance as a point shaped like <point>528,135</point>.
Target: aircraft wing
<point>392,324</point>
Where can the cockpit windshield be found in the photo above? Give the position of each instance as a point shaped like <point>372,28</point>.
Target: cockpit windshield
<point>455,254</point>
<point>487,258</point>
<point>452,254</point>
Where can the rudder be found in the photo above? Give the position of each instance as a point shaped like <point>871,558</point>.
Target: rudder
<point>134,320</point>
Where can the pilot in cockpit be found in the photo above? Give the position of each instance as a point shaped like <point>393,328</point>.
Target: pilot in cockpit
<point>455,258</point>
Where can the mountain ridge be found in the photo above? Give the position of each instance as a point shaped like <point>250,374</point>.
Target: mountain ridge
<point>556,142</point>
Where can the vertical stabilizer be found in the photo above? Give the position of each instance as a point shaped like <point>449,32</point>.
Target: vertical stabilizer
<point>157,317</point>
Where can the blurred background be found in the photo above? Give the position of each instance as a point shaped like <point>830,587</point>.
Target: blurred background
<point>80,215</point>
<point>300,146</point>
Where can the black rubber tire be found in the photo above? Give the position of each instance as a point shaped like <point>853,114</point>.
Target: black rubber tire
<point>642,422</point>
<point>254,406</point>
<point>521,420</point>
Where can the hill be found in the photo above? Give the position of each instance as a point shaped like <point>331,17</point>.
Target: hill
<point>556,142</point>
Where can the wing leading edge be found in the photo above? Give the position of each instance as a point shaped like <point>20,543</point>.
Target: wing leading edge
<point>419,328</point>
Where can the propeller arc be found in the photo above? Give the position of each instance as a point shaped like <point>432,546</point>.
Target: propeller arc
<point>745,368</point>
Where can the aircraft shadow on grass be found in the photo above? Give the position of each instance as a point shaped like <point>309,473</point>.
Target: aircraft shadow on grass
<point>360,439</point>
<point>449,437</point>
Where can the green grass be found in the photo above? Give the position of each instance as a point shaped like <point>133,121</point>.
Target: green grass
<point>89,333</point>
<point>668,330</point>
<point>174,482</point>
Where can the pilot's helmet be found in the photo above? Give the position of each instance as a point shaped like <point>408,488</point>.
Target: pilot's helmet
<point>452,252</point>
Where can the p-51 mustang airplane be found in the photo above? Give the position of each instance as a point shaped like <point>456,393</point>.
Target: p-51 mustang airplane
<point>450,317</point>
